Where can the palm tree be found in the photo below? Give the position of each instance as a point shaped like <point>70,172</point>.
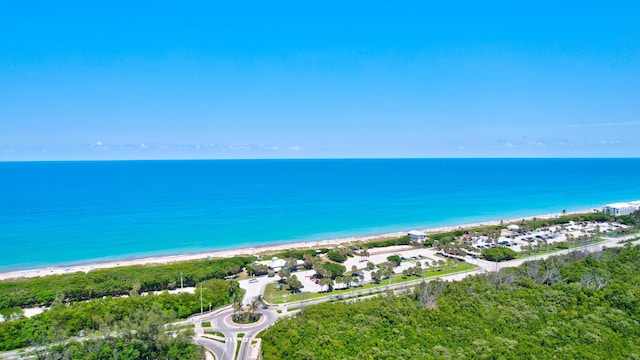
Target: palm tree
<point>236,302</point>
<point>253,307</point>
<point>326,282</point>
<point>284,274</point>
<point>232,287</point>
<point>339,280</point>
<point>364,254</point>
<point>294,284</point>
<point>261,301</point>
<point>291,264</point>
<point>308,261</point>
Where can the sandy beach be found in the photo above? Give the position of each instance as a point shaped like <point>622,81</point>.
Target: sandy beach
<point>53,270</point>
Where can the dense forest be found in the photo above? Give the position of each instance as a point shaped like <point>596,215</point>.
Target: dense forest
<point>150,340</point>
<point>122,280</point>
<point>576,306</point>
<point>105,316</point>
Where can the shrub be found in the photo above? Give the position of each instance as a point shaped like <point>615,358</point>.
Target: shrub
<point>336,256</point>
<point>334,269</point>
<point>395,259</point>
<point>498,253</point>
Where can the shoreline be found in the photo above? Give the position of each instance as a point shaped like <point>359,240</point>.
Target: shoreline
<point>166,259</point>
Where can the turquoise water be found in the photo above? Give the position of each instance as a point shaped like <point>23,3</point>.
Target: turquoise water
<point>58,213</point>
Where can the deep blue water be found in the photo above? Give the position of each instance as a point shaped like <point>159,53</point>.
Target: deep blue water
<point>55,213</point>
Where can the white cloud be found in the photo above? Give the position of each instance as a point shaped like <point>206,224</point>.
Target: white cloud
<point>295,148</point>
<point>144,146</point>
<point>238,147</point>
<point>537,143</point>
<point>606,124</point>
<point>268,147</point>
<point>98,145</point>
<point>609,142</point>
<point>509,145</point>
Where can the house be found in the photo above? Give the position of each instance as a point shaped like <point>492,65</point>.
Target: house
<point>417,236</point>
<point>621,208</point>
<point>513,227</point>
<point>276,264</point>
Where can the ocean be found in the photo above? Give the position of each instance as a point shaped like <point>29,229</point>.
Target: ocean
<point>63,213</point>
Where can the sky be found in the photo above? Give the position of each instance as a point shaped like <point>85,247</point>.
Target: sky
<point>332,79</point>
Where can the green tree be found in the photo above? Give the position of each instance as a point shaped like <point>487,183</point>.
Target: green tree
<point>395,259</point>
<point>294,284</point>
<point>498,253</point>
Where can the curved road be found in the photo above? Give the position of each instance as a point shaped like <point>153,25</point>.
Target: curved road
<point>222,322</point>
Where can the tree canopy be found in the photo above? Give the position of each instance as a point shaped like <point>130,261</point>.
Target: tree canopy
<point>114,281</point>
<point>573,306</point>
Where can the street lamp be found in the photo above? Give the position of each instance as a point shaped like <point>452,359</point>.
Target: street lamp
<point>181,283</point>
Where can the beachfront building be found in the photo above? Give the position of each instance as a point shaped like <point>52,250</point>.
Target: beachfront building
<point>621,208</point>
<point>276,264</point>
<point>417,236</point>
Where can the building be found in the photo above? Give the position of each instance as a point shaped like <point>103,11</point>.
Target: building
<point>417,236</point>
<point>621,208</point>
<point>276,264</point>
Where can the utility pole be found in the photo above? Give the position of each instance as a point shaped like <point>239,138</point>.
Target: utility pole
<point>201,299</point>
<point>181,283</point>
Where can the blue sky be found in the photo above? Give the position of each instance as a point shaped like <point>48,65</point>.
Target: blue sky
<point>328,79</point>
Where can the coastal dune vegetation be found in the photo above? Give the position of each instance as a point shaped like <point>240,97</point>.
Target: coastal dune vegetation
<point>115,281</point>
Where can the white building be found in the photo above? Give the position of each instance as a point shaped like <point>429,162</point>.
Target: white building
<point>417,236</point>
<point>513,227</point>
<point>621,208</point>
<point>276,264</point>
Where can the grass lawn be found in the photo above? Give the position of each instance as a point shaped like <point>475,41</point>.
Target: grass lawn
<point>212,332</point>
<point>274,296</point>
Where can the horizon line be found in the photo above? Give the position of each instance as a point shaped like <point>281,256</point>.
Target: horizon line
<point>326,158</point>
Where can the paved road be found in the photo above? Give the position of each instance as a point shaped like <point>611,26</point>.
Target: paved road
<point>221,322</point>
